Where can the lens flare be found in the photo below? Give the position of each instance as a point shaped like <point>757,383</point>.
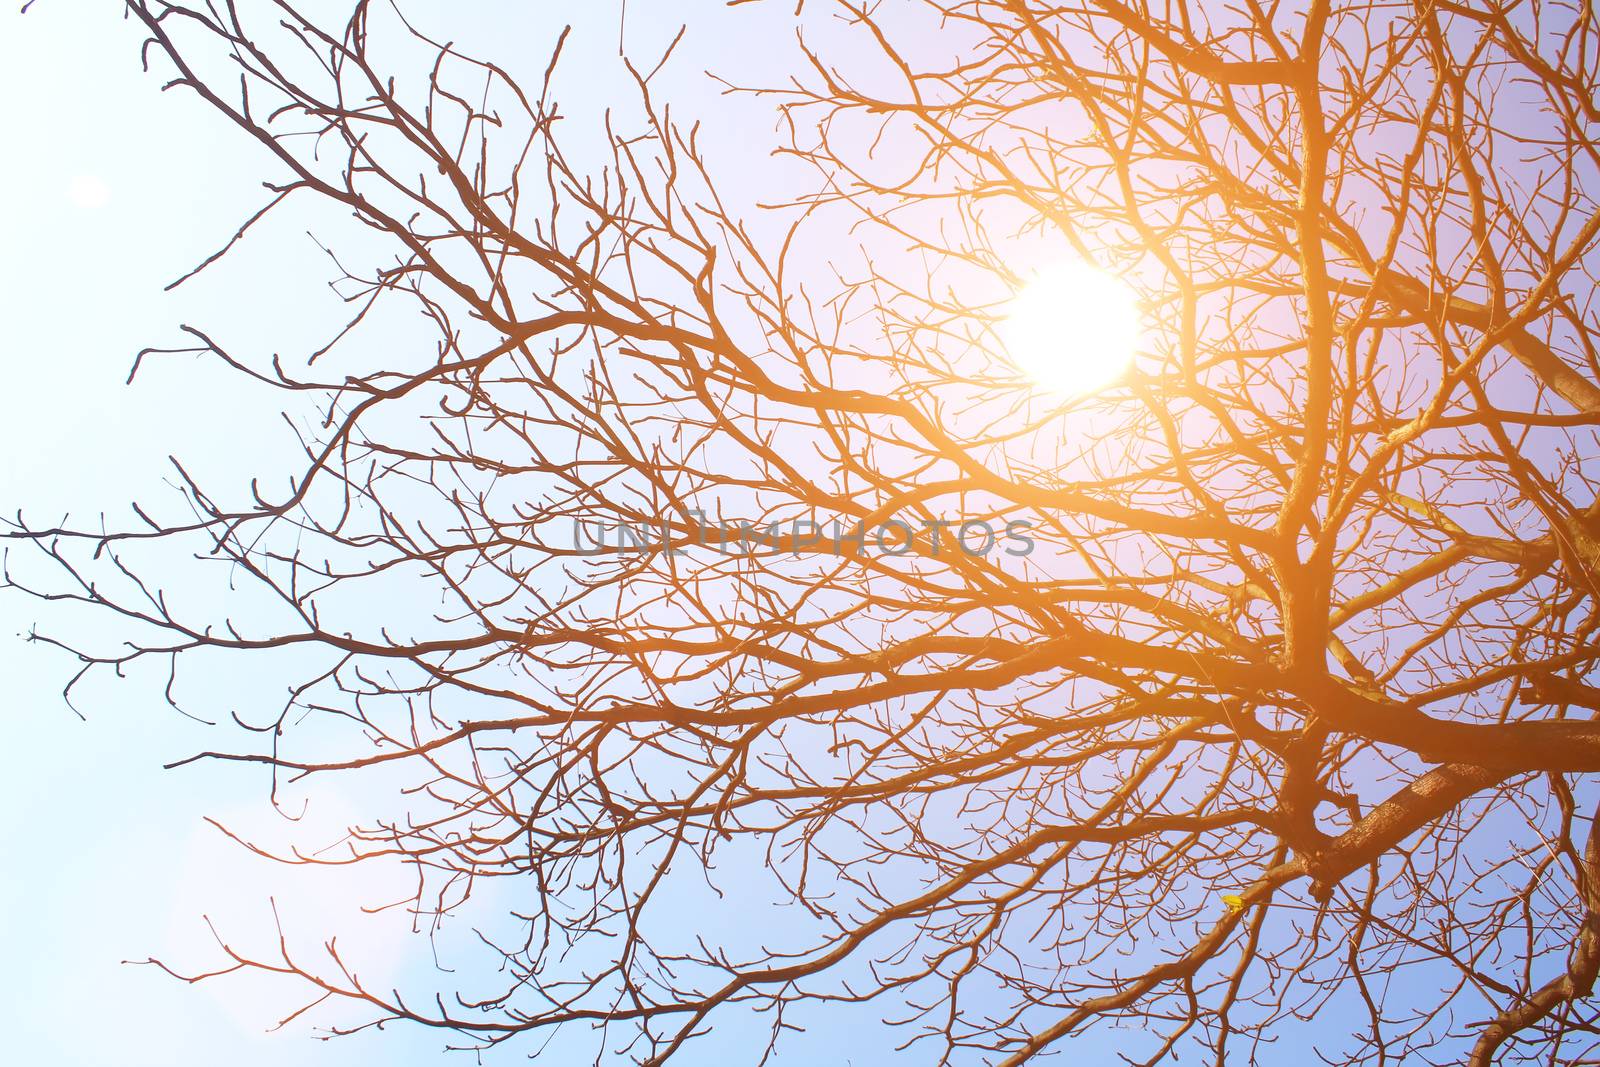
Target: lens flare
<point>1072,329</point>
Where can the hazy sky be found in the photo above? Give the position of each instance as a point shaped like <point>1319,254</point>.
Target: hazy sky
<point>111,190</point>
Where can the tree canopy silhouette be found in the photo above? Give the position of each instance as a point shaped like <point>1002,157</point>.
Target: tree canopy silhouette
<point>1287,709</point>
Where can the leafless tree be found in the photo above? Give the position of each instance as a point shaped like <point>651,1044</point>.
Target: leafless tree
<point>1288,712</point>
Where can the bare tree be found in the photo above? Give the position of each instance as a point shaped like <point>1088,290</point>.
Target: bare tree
<point>1289,709</point>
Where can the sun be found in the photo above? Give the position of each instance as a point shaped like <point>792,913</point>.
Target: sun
<point>1073,329</point>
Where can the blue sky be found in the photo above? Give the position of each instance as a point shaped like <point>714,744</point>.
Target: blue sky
<point>111,189</point>
<point>115,189</point>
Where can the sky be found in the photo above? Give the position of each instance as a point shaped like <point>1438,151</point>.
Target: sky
<point>111,190</point>
<point>114,189</point>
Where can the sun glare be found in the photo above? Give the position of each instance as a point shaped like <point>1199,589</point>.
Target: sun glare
<point>1072,329</point>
